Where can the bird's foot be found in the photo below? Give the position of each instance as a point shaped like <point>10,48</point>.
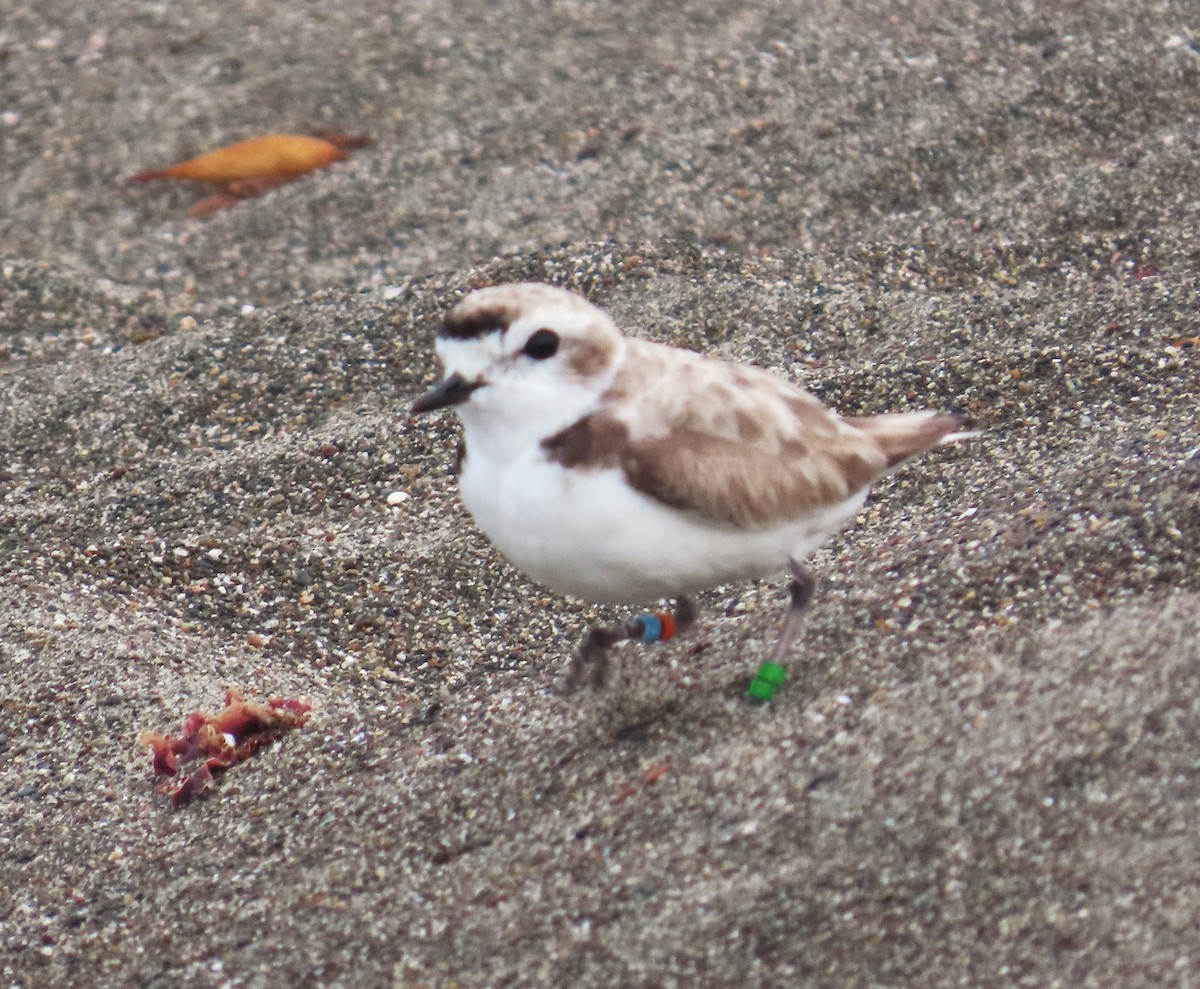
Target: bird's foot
<point>589,665</point>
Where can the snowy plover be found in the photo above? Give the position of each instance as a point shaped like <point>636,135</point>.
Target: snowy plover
<point>620,471</point>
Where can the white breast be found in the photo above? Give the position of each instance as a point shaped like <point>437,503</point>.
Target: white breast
<point>588,534</point>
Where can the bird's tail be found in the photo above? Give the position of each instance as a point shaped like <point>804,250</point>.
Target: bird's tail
<point>902,435</point>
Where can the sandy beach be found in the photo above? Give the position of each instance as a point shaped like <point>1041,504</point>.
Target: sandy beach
<point>984,769</point>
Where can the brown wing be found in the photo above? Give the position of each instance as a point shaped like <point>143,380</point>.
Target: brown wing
<point>732,444</point>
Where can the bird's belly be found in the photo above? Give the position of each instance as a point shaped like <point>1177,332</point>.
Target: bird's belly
<point>588,534</point>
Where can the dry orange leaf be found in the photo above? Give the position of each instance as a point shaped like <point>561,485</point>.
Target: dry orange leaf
<point>250,168</point>
<point>274,156</point>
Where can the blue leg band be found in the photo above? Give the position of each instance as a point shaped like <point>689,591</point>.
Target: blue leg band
<point>651,628</point>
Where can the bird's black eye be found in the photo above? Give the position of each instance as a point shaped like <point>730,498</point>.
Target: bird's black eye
<point>543,344</point>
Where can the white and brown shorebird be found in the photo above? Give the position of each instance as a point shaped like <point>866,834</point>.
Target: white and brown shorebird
<point>622,471</point>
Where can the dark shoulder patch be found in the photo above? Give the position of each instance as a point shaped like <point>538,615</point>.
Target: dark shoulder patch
<point>593,442</point>
<point>476,323</point>
<point>460,457</point>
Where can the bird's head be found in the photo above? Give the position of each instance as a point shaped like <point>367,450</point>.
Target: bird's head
<point>523,360</point>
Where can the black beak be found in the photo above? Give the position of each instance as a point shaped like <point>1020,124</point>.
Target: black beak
<point>454,390</point>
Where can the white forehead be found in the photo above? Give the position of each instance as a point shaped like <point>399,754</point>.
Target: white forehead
<point>472,357</point>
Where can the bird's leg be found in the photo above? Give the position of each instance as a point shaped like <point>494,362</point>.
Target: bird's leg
<point>589,665</point>
<point>685,614</point>
<point>801,588</point>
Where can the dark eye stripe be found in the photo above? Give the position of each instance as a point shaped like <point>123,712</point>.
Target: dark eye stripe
<point>541,345</point>
<point>476,324</point>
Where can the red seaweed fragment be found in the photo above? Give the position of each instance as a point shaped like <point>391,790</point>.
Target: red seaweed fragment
<point>222,740</point>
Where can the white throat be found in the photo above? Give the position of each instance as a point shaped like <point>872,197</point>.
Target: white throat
<point>507,416</point>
